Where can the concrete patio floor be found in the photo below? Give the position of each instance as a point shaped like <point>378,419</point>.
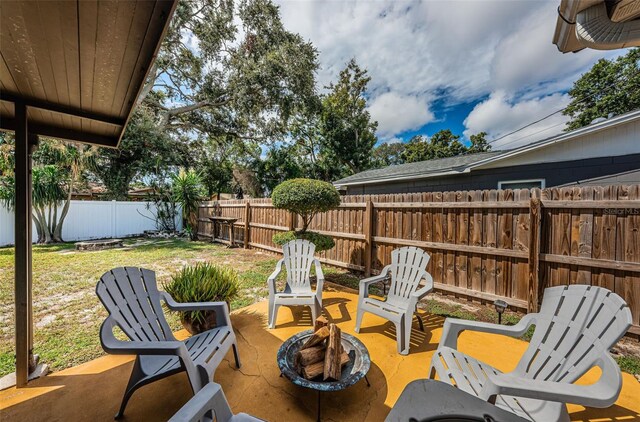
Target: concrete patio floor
<point>92,391</point>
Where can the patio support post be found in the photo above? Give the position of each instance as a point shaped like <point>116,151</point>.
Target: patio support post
<point>23,312</point>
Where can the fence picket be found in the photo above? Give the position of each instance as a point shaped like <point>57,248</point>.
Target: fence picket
<point>481,242</point>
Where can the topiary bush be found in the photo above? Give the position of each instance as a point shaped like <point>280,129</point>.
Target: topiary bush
<point>203,282</point>
<point>305,197</point>
<point>322,241</point>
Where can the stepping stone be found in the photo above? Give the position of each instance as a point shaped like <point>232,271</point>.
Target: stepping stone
<point>97,245</point>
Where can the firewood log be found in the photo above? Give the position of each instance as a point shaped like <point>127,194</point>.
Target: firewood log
<point>315,369</point>
<point>332,366</point>
<point>320,322</point>
<point>311,355</point>
<point>317,338</point>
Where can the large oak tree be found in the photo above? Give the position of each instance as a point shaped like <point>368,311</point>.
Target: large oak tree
<point>226,70</point>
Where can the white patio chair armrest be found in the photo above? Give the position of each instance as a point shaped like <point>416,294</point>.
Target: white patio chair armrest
<point>112,345</point>
<point>319,277</point>
<point>364,284</point>
<point>601,394</point>
<point>221,308</point>
<point>210,397</point>
<point>453,327</point>
<point>424,290</point>
<point>271,281</point>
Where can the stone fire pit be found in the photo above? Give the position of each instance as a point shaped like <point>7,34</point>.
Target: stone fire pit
<point>352,372</point>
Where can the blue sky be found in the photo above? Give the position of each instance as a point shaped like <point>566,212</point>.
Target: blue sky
<point>468,66</point>
<point>451,117</point>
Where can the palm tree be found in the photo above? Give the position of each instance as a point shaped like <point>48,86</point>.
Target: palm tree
<point>188,192</point>
<point>56,173</point>
<point>76,157</point>
<point>48,192</point>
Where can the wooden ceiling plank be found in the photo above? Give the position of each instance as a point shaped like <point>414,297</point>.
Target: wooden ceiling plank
<point>135,38</point>
<point>147,49</point>
<point>87,33</point>
<point>43,71</point>
<point>37,24</point>
<point>7,110</point>
<point>68,12</point>
<point>51,13</point>
<point>113,28</point>
<point>6,78</point>
<point>17,51</point>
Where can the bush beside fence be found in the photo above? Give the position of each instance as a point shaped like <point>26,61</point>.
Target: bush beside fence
<point>484,244</point>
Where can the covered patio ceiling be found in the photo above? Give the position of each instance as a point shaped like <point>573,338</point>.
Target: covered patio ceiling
<point>72,70</point>
<point>77,65</point>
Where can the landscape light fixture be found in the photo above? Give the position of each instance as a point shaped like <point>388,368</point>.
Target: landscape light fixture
<point>500,306</point>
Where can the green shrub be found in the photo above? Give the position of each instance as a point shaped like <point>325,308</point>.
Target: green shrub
<point>322,241</point>
<point>203,282</point>
<point>305,197</point>
<point>630,364</point>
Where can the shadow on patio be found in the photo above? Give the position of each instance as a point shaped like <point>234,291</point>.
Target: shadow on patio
<point>93,391</point>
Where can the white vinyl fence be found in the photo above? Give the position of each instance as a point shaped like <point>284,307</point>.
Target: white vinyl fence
<point>94,220</point>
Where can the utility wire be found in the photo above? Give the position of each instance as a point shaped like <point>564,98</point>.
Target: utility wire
<point>586,97</point>
<point>532,134</point>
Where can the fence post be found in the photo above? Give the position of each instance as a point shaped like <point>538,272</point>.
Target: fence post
<point>534,255</point>
<point>367,227</point>
<point>247,218</point>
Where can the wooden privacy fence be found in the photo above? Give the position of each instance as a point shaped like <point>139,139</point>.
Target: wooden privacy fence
<point>485,245</point>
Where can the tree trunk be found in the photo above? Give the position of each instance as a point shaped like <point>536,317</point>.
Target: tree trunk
<point>49,220</point>
<point>41,220</point>
<point>38,228</point>
<point>57,233</point>
<point>54,220</point>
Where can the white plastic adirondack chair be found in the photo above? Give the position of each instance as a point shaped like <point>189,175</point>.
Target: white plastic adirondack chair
<point>298,258</point>
<point>408,267</point>
<point>132,298</point>
<point>208,405</point>
<point>574,330</point>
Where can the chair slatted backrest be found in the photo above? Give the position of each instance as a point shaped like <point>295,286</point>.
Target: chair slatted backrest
<point>131,296</point>
<point>576,326</point>
<point>298,258</point>
<point>408,265</point>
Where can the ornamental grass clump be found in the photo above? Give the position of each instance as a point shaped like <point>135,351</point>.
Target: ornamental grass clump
<point>203,282</point>
<point>306,198</point>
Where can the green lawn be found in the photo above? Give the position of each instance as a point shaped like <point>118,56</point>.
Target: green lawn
<point>67,313</point>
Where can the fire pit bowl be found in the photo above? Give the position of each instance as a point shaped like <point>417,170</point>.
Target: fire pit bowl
<point>352,372</point>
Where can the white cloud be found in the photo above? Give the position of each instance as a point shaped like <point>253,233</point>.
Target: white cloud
<point>526,59</point>
<point>499,115</point>
<point>396,113</point>
<point>452,51</point>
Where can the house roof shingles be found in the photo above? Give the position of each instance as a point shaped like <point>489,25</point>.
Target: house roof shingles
<point>421,168</point>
